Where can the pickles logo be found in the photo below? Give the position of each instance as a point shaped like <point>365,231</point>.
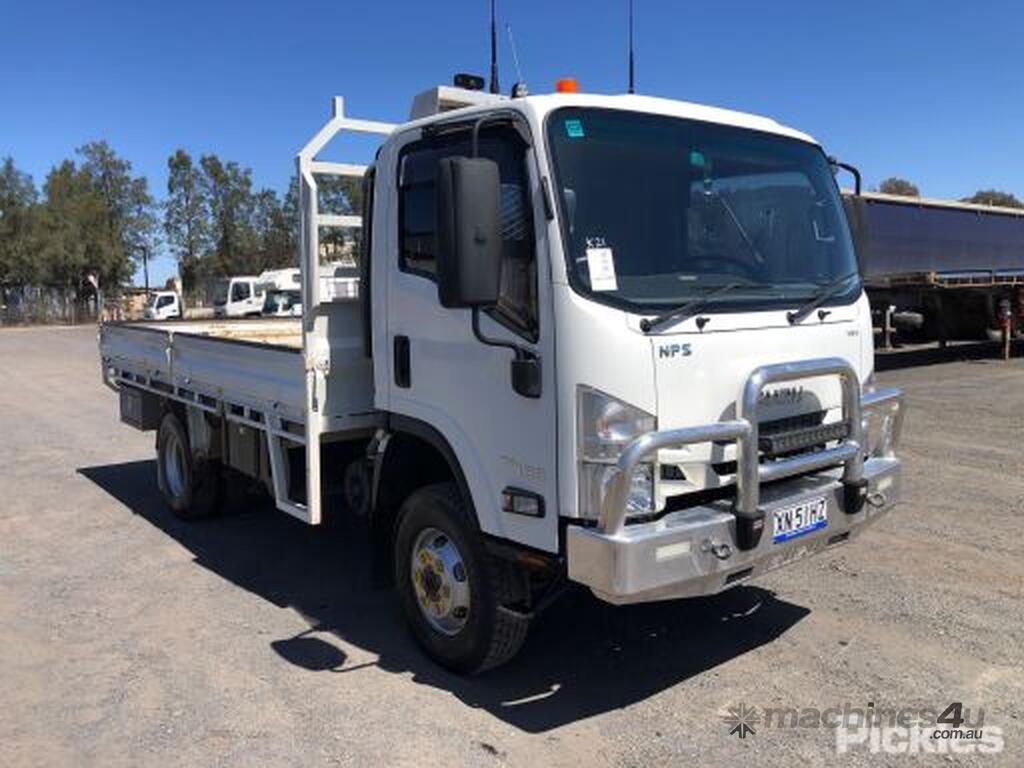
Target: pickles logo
<point>674,350</point>
<point>741,720</point>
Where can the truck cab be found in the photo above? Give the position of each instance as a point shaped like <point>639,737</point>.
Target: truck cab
<point>636,384</point>
<point>238,297</point>
<point>282,290</point>
<point>616,341</point>
<point>162,305</point>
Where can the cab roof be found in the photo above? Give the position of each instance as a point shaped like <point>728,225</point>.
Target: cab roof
<point>542,104</point>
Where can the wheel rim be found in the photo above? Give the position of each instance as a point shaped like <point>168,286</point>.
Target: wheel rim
<point>174,465</point>
<point>440,581</point>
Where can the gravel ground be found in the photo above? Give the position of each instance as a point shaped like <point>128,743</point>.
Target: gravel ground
<point>130,638</point>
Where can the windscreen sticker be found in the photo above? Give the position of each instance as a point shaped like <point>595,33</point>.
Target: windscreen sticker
<point>574,128</point>
<point>601,265</point>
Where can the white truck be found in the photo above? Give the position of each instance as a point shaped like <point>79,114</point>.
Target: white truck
<point>282,289</point>
<point>162,305</point>
<point>240,296</point>
<point>615,341</point>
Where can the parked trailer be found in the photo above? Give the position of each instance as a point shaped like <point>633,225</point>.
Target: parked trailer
<point>536,380</point>
<point>937,269</point>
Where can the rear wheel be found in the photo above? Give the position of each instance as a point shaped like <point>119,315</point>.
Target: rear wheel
<point>191,488</point>
<point>454,594</point>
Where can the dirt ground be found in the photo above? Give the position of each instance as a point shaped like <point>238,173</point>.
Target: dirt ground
<point>130,638</point>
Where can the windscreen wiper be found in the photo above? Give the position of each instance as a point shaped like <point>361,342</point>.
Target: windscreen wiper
<point>686,310</point>
<point>820,296</point>
<point>740,228</point>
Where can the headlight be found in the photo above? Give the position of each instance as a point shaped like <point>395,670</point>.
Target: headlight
<point>604,427</point>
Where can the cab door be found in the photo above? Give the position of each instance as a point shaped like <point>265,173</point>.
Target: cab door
<point>439,372</point>
<point>256,301</point>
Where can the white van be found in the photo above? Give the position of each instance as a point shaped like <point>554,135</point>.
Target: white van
<point>238,297</point>
<point>162,305</point>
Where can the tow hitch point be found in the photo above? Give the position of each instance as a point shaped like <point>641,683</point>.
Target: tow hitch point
<point>749,527</point>
<point>855,493</point>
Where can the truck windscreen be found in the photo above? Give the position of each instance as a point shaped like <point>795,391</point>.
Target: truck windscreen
<point>660,210</point>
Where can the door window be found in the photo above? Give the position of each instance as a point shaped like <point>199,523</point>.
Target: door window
<point>417,214</point>
<point>239,291</point>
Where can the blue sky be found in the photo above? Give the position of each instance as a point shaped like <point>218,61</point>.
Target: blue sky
<point>926,90</point>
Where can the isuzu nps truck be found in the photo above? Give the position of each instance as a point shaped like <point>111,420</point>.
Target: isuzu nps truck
<point>613,341</point>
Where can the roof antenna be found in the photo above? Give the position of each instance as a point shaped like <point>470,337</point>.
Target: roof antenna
<point>519,88</point>
<point>632,79</point>
<point>495,88</point>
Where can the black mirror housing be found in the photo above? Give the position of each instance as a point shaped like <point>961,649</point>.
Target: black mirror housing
<point>468,232</point>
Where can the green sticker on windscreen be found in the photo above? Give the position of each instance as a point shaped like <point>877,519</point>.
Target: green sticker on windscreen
<point>697,159</point>
<point>574,128</point>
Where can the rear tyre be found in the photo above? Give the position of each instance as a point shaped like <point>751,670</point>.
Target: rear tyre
<point>191,488</point>
<point>454,594</point>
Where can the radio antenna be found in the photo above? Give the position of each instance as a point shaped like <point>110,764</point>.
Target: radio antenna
<point>520,87</point>
<point>495,88</point>
<point>632,79</point>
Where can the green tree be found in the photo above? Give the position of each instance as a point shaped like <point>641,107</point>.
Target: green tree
<point>125,232</point>
<point>338,195</point>
<point>70,235</point>
<point>17,216</point>
<point>142,237</point>
<point>290,209</point>
<point>96,219</point>
<point>274,231</point>
<point>186,216</point>
<point>228,191</point>
<point>994,197</point>
<point>897,186</point>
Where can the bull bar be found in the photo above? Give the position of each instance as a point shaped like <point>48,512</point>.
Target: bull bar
<point>709,544</point>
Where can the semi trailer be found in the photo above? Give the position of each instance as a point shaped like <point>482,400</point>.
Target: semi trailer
<point>939,270</point>
<point>611,341</point>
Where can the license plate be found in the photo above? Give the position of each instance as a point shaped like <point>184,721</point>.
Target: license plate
<point>800,519</point>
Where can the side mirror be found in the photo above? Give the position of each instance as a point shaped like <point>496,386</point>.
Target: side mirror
<point>468,232</point>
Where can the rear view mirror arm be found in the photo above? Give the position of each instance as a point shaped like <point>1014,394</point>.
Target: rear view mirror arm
<point>525,366</point>
<point>521,353</point>
<point>847,167</point>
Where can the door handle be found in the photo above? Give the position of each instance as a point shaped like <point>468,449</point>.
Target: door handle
<point>402,364</point>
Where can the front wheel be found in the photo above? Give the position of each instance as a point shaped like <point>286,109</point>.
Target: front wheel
<point>454,594</point>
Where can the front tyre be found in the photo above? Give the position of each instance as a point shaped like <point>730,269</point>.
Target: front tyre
<point>454,594</point>
<point>191,488</point>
